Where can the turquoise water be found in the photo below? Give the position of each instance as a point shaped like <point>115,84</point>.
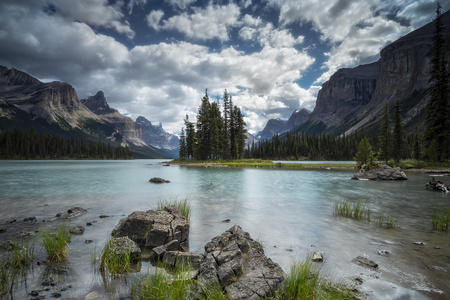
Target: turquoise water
<point>289,211</point>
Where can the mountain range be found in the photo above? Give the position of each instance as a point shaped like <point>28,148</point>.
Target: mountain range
<point>353,98</point>
<point>26,102</point>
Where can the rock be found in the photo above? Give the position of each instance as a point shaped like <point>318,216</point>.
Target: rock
<point>77,230</point>
<point>317,257</point>
<point>26,234</point>
<point>88,242</point>
<point>384,252</point>
<point>437,185</point>
<point>152,228</point>
<point>103,216</point>
<point>237,262</point>
<point>123,245</point>
<point>158,252</point>
<point>365,262</point>
<point>419,243</point>
<point>3,229</point>
<point>182,260</point>
<point>158,180</point>
<point>92,296</point>
<point>75,212</point>
<point>30,219</point>
<point>226,221</point>
<point>383,172</point>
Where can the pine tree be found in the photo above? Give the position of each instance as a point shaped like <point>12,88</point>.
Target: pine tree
<point>437,129</point>
<point>190,138</point>
<point>204,129</point>
<point>365,154</point>
<point>385,135</point>
<point>399,134</point>
<point>182,151</point>
<point>226,126</point>
<point>416,146</point>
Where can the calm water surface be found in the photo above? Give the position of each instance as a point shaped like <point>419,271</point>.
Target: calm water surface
<point>289,211</point>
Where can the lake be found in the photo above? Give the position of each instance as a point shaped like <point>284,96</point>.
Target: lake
<point>289,211</point>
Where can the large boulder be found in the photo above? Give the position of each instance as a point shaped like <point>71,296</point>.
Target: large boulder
<point>154,228</point>
<point>237,263</point>
<point>383,172</point>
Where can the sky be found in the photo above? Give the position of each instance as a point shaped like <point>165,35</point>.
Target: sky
<point>155,58</point>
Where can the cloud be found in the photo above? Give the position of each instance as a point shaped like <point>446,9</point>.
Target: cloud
<point>210,22</point>
<point>181,4</point>
<point>133,3</point>
<point>154,17</point>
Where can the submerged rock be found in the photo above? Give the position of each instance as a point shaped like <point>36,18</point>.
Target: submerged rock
<point>365,262</point>
<point>317,257</point>
<point>383,172</point>
<point>237,263</point>
<point>77,229</point>
<point>437,185</point>
<point>158,180</point>
<point>75,212</point>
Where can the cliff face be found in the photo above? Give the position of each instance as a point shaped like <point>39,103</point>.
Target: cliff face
<point>277,126</point>
<point>125,125</point>
<point>297,118</point>
<point>347,91</point>
<point>355,97</point>
<point>56,102</point>
<point>154,135</point>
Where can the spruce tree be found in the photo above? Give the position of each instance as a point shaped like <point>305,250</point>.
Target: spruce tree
<point>226,126</point>
<point>399,134</point>
<point>437,129</point>
<point>385,135</point>
<point>416,146</point>
<point>190,138</point>
<point>365,154</point>
<point>182,151</point>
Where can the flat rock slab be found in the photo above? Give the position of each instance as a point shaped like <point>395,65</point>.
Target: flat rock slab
<point>365,262</point>
<point>75,212</point>
<point>383,172</point>
<point>154,228</point>
<point>238,264</point>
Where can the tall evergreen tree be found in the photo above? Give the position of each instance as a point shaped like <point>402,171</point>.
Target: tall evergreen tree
<point>226,126</point>
<point>416,147</point>
<point>190,138</point>
<point>398,142</point>
<point>182,151</point>
<point>385,134</point>
<point>204,129</point>
<point>437,130</point>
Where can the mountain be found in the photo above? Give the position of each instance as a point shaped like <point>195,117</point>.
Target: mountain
<point>154,135</point>
<point>278,126</point>
<point>125,125</point>
<point>54,108</point>
<point>355,97</point>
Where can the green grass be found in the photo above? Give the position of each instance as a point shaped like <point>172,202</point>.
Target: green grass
<point>112,262</point>
<point>214,292</point>
<point>22,255</point>
<point>184,206</point>
<point>161,285</point>
<point>258,163</point>
<point>356,210</point>
<point>8,276</point>
<point>388,220</point>
<point>306,280</point>
<point>56,243</point>
<point>441,219</point>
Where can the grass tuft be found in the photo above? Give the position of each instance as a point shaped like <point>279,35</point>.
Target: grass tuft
<point>114,263</point>
<point>306,280</point>
<point>441,219</point>
<point>184,206</point>
<point>357,210</point>
<point>161,285</point>
<point>388,220</point>
<point>56,243</point>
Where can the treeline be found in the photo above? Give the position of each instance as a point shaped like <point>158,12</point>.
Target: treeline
<point>302,145</point>
<point>17,144</point>
<point>214,136</point>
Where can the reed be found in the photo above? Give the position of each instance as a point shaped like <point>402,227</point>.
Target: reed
<point>356,210</point>
<point>306,280</point>
<point>114,263</point>
<point>22,255</point>
<point>56,243</point>
<point>161,285</point>
<point>214,292</point>
<point>440,219</point>
<point>388,220</point>
<point>184,206</point>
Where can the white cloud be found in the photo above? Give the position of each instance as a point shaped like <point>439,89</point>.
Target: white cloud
<point>134,3</point>
<point>181,4</point>
<point>211,22</point>
<point>154,17</point>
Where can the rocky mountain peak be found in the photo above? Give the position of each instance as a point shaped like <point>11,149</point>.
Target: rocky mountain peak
<point>14,77</point>
<point>155,135</point>
<point>98,104</point>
